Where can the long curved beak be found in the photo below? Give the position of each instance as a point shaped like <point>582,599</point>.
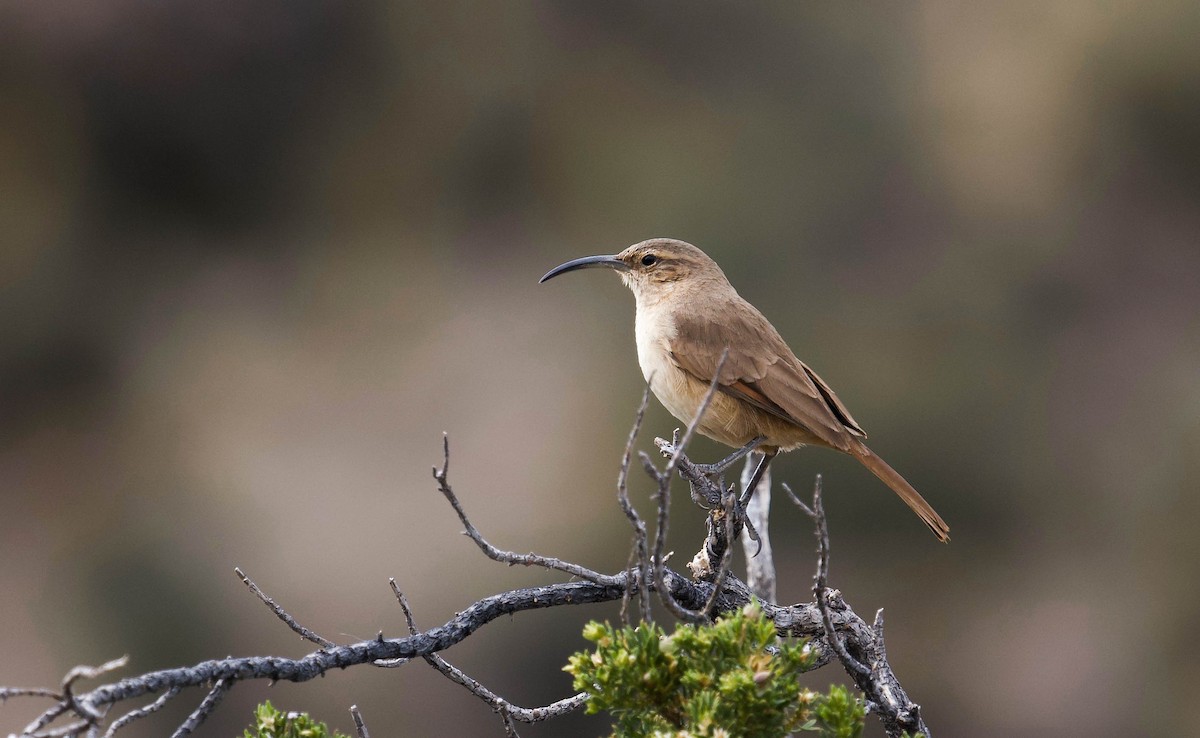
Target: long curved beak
<point>608,260</point>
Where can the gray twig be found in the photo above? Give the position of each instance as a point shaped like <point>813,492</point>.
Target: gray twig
<point>6,692</point>
<point>803,620</point>
<point>830,624</point>
<point>640,547</point>
<point>141,712</point>
<point>731,501</point>
<point>508,711</point>
<point>663,478</point>
<point>496,554</point>
<point>207,705</point>
<point>281,613</point>
<point>861,644</point>
<point>760,559</point>
<point>360,727</point>
<point>821,590</point>
<point>69,702</point>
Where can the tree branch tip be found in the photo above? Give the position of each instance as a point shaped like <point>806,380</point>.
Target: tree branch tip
<point>359,726</point>
<point>91,672</point>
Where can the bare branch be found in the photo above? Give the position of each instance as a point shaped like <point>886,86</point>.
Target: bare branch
<point>6,692</point>
<point>281,613</point>
<point>821,587</point>
<point>679,446</point>
<point>67,701</point>
<point>87,712</point>
<point>760,559</point>
<point>640,547</point>
<point>682,445</point>
<point>72,729</point>
<point>795,621</point>
<point>834,629</point>
<point>141,712</point>
<point>41,721</point>
<point>207,705</point>
<point>799,502</point>
<point>862,643</point>
<point>726,557</point>
<point>507,710</point>
<point>505,557</point>
<point>359,726</point>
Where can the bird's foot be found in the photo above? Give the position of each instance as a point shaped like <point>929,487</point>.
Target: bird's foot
<point>750,531</point>
<point>724,464</point>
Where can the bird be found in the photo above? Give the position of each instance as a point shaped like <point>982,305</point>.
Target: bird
<point>692,327</point>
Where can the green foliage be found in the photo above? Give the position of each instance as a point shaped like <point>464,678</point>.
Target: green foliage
<point>271,723</point>
<point>839,714</point>
<point>712,681</point>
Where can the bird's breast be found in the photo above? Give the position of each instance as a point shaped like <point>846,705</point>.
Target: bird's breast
<point>679,393</point>
<point>653,330</point>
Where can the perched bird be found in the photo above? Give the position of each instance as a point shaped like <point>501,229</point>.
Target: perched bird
<point>688,317</point>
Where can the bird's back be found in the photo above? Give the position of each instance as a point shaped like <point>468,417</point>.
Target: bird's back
<point>759,370</point>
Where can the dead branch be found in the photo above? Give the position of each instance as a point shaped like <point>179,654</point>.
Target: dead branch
<point>760,559</point>
<point>865,646</point>
<point>641,551</point>
<point>834,629</point>
<point>505,557</point>
<point>508,711</point>
<point>360,727</point>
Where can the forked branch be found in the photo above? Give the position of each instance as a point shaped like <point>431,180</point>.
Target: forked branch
<point>834,629</point>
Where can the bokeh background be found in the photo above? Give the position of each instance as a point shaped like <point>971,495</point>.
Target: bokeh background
<point>256,257</point>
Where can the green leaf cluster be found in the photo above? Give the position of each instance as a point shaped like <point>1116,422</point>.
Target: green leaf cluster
<point>272,723</point>
<point>731,678</point>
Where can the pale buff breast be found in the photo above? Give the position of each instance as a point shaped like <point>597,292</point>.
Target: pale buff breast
<point>729,420</point>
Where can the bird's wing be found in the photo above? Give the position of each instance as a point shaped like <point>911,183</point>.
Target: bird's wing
<point>761,370</point>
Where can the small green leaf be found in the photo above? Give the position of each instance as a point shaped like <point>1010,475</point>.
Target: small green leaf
<point>732,678</point>
<point>272,723</point>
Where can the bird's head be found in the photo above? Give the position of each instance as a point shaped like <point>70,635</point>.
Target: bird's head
<point>652,268</point>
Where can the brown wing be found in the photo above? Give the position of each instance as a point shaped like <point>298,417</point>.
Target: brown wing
<point>761,370</point>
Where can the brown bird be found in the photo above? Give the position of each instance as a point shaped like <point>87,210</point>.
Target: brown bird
<point>688,317</point>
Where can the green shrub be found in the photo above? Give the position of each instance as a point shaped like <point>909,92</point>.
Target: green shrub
<point>732,678</point>
<point>272,723</point>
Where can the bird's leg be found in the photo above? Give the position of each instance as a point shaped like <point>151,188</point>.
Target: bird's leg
<point>754,480</point>
<point>730,460</point>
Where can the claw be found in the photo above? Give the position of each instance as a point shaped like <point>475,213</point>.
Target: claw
<point>730,460</point>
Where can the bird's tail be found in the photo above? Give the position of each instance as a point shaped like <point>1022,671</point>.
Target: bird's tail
<point>900,486</point>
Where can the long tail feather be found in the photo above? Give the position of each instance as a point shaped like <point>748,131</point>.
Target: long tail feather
<point>900,486</point>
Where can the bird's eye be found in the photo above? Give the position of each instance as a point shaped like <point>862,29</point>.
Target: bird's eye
<point>649,260</point>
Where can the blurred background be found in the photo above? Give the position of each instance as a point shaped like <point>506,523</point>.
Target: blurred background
<point>257,257</point>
